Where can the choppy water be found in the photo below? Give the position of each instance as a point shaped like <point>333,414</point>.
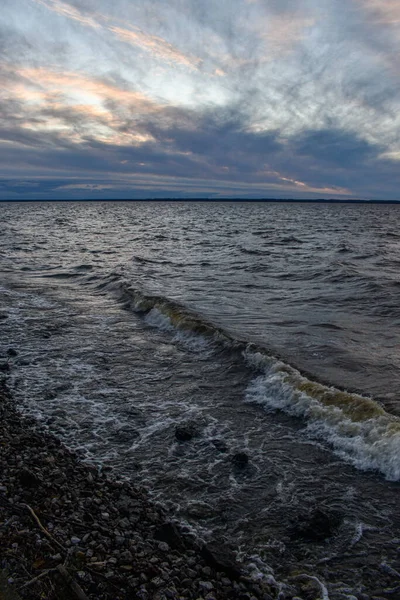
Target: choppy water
<point>250,321</point>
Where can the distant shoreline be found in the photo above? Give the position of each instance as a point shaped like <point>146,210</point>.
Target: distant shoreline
<point>211,200</point>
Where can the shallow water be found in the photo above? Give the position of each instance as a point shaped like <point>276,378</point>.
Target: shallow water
<point>132,318</point>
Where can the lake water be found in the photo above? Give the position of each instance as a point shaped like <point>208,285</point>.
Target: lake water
<point>272,329</point>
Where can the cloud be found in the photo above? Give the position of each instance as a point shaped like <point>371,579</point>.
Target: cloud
<point>156,45</point>
<point>134,36</point>
<point>335,147</point>
<point>67,10</point>
<point>280,33</point>
<point>73,106</point>
<point>385,12</point>
<point>276,97</point>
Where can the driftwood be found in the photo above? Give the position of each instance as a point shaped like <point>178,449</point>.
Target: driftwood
<point>35,579</point>
<point>67,579</point>
<point>44,530</point>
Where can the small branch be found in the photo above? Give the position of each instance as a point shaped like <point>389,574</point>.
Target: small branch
<point>44,530</point>
<point>35,579</point>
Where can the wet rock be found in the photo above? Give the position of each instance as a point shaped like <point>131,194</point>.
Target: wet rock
<point>220,445</point>
<point>163,546</point>
<point>240,460</point>
<point>185,432</point>
<point>12,352</point>
<point>221,558</point>
<point>315,526</point>
<point>170,534</point>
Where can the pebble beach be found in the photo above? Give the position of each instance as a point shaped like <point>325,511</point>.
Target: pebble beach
<point>69,531</point>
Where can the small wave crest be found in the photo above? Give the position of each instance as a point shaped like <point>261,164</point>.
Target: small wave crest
<point>192,342</point>
<point>358,428</point>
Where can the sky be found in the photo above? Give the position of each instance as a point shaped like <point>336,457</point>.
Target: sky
<point>199,98</point>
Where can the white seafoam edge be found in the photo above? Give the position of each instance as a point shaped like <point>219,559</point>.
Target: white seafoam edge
<point>369,444</point>
<point>191,341</point>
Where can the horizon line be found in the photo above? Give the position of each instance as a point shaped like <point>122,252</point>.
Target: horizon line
<point>175,199</point>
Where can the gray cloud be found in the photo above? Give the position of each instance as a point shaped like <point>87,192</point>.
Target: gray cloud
<point>254,97</point>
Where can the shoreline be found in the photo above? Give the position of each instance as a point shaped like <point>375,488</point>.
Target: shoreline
<point>68,531</point>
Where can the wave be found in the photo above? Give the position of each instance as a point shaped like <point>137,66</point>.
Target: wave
<point>356,427</point>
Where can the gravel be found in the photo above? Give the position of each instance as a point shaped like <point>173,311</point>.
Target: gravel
<point>68,531</point>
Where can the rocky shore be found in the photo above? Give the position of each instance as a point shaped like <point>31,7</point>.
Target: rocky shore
<point>68,531</point>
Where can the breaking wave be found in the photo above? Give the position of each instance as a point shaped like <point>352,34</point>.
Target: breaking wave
<point>356,427</point>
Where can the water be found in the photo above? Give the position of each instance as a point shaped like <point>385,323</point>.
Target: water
<point>273,328</point>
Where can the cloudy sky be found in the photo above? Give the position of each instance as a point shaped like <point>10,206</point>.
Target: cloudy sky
<point>199,98</point>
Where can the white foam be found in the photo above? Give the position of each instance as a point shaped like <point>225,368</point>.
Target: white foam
<point>368,443</point>
<point>191,341</point>
<point>155,318</point>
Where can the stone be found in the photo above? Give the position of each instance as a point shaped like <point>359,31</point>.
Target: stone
<point>57,557</point>
<point>75,540</point>
<point>315,526</point>
<point>126,556</point>
<point>221,558</point>
<point>163,546</point>
<point>240,460</point>
<point>206,585</point>
<point>220,445</point>
<point>28,479</point>
<point>169,533</point>
<point>185,432</point>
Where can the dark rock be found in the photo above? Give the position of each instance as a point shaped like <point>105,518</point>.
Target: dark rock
<point>220,445</point>
<point>240,460</point>
<point>28,479</point>
<point>185,432</point>
<point>169,533</point>
<point>12,352</point>
<point>221,558</point>
<point>4,367</point>
<point>315,525</point>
